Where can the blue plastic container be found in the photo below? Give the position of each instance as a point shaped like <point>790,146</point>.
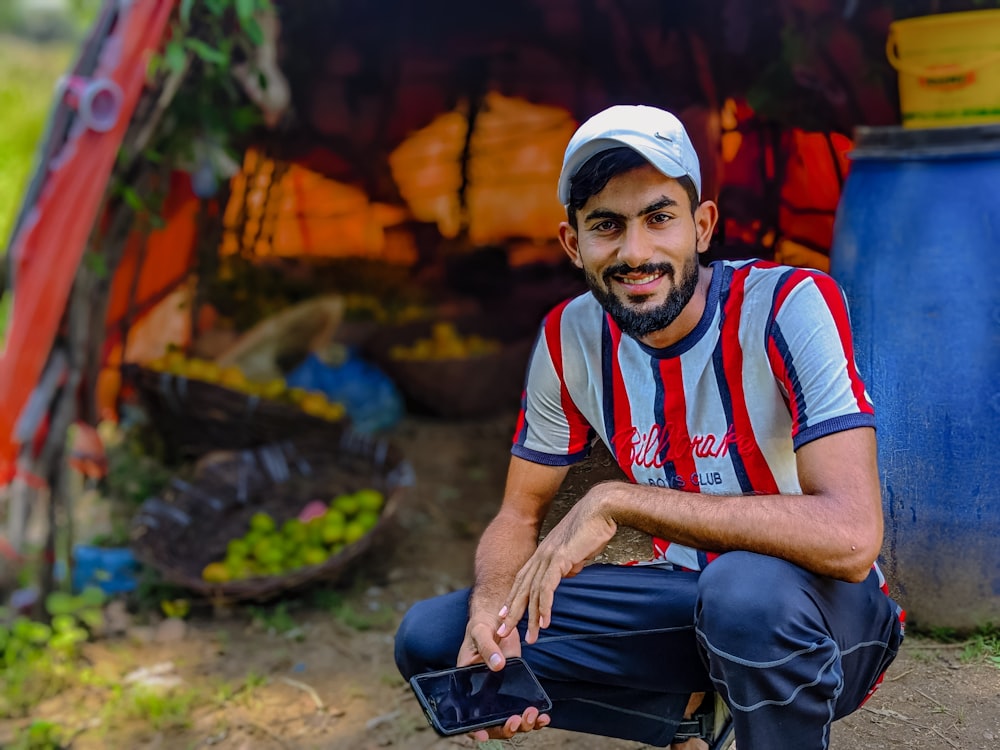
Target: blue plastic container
<point>112,569</point>
<point>917,249</point>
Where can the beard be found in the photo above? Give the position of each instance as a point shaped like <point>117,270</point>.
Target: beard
<point>639,323</point>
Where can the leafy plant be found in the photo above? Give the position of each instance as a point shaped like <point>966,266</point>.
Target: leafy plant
<point>361,620</point>
<point>37,659</point>
<point>209,112</point>
<point>39,735</point>
<point>276,620</point>
<point>983,645</point>
<point>349,613</point>
<point>151,591</point>
<point>241,692</point>
<point>162,710</point>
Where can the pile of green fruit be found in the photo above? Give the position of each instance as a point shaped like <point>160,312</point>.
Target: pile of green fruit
<point>268,549</point>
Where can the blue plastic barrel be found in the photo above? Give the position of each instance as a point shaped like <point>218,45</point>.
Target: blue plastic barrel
<point>917,249</point>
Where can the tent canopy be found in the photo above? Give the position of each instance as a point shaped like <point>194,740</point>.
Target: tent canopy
<point>436,112</point>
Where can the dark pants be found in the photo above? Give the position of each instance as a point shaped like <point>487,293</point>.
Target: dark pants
<point>790,651</point>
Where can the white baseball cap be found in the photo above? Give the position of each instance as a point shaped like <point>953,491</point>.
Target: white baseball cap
<point>654,133</point>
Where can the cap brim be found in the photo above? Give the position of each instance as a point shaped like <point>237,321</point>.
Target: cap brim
<point>663,163</point>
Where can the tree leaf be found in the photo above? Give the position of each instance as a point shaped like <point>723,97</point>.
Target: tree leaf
<point>253,31</point>
<point>59,603</point>
<point>185,11</point>
<point>244,10</point>
<point>132,198</point>
<point>97,264</point>
<point>175,56</point>
<point>206,52</point>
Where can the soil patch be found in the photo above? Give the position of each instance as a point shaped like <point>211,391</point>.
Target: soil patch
<point>317,671</point>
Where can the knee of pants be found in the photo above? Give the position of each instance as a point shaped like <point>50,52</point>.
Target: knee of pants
<point>743,592</point>
<point>429,636</point>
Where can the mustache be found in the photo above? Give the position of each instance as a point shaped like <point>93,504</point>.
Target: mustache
<point>623,269</point>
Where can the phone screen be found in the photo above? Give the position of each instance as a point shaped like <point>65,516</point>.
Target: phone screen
<point>467,698</point>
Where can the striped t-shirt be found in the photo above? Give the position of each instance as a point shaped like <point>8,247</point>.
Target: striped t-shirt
<point>768,368</point>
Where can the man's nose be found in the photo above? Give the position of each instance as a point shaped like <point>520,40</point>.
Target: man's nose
<point>635,249</point>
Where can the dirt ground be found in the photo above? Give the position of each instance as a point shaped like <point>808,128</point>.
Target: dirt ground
<point>327,680</point>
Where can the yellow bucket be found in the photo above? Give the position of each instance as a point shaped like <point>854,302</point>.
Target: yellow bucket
<point>949,68</point>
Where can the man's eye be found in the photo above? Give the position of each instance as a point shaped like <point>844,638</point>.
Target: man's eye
<point>659,218</point>
<point>604,226</point>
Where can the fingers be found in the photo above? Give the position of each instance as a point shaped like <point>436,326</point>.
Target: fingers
<point>533,591</point>
<point>482,646</point>
<point>529,721</point>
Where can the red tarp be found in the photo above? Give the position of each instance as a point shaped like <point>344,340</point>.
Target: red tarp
<point>49,245</point>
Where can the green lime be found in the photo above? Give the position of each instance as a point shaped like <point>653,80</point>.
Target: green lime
<point>334,532</point>
<point>261,521</point>
<point>367,519</point>
<point>274,569</point>
<point>353,532</point>
<point>346,504</point>
<point>295,530</point>
<point>237,569</point>
<point>335,516</point>
<point>237,548</point>
<point>314,530</point>
<point>370,499</point>
<point>268,552</point>
<point>315,555</point>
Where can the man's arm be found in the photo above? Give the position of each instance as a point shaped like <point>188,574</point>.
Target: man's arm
<point>508,541</point>
<point>834,528</point>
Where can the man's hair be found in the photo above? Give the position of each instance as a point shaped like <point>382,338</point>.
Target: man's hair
<point>598,170</point>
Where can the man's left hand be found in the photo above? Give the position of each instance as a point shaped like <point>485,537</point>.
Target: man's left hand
<point>579,537</point>
<point>530,720</point>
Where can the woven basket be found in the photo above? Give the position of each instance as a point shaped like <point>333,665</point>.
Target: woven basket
<point>190,524</point>
<point>477,386</point>
<point>195,417</point>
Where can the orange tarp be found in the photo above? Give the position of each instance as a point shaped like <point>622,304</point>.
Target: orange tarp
<point>515,156</point>
<point>294,212</point>
<point>50,243</point>
<point>166,256</point>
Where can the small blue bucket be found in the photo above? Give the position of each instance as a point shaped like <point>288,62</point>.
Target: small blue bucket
<point>112,569</point>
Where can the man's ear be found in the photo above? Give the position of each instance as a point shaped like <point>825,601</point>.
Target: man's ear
<point>570,242</point>
<point>705,218</point>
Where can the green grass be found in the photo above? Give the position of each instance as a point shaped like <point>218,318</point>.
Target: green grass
<point>983,646</point>
<point>28,74</point>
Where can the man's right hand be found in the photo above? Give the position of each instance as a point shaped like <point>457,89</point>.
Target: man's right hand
<point>481,644</point>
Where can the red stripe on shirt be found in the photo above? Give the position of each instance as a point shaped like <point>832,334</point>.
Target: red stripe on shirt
<point>579,429</point>
<point>781,373</point>
<point>778,365</point>
<point>758,472</point>
<point>675,418</point>
<point>835,302</point>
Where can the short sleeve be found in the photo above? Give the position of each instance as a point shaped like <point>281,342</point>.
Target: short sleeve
<point>550,428</point>
<point>811,351</point>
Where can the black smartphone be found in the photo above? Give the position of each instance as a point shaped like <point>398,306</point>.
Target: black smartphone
<point>464,699</point>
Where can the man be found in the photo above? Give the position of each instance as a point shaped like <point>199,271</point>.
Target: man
<point>729,396</point>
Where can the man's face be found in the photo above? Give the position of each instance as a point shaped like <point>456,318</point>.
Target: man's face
<point>638,243</point>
